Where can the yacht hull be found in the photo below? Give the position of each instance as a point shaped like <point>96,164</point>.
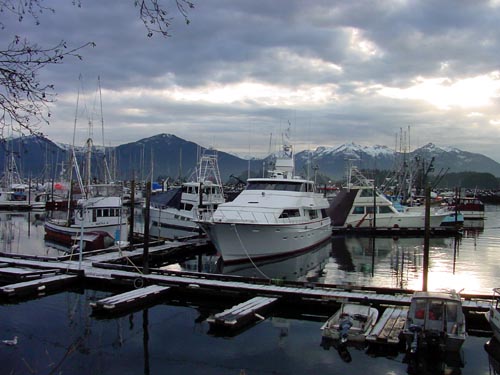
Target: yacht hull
<point>245,242</point>
<point>393,221</point>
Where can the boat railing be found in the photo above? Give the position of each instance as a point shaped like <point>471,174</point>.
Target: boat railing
<point>247,216</point>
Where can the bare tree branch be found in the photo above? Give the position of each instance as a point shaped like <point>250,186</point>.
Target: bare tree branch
<point>24,99</point>
<point>156,18</point>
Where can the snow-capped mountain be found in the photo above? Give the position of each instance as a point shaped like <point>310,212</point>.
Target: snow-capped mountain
<point>333,161</point>
<point>167,155</point>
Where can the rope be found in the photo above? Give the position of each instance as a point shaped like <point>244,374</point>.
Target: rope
<point>248,255</point>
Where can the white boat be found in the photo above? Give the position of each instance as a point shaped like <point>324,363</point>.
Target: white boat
<point>101,210</point>
<point>273,216</point>
<point>16,195</point>
<point>493,314</point>
<point>22,198</point>
<point>358,206</point>
<point>435,321</point>
<point>351,323</point>
<point>172,213</point>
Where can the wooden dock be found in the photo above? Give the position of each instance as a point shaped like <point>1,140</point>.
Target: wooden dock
<point>128,300</point>
<point>397,231</point>
<point>108,272</point>
<point>39,286</point>
<point>242,314</point>
<point>389,326</point>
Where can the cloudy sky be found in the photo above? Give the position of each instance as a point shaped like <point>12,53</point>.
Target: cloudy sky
<point>368,72</point>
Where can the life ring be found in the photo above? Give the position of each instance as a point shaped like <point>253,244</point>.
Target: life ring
<point>138,283</point>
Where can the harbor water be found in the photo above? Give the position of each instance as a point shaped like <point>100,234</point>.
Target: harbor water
<point>57,334</point>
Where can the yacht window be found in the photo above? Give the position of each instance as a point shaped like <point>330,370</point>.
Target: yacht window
<point>270,185</point>
<point>369,209</point>
<point>99,213</point>
<point>323,213</point>
<point>367,193</point>
<point>185,189</point>
<point>94,216</point>
<point>384,210</point>
<point>105,212</point>
<point>358,210</point>
<point>290,213</point>
<point>188,207</point>
<point>313,214</point>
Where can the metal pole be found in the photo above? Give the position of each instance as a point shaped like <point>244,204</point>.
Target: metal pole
<point>145,255</point>
<point>80,253</point>
<point>132,218</point>
<point>426,236</point>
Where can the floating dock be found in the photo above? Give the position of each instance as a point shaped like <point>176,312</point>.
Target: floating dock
<point>263,296</point>
<point>398,231</point>
<point>129,300</point>
<point>39,286</point>
<point>242,314</point>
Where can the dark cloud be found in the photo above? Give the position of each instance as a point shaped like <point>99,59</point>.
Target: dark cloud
<point>241,69</point>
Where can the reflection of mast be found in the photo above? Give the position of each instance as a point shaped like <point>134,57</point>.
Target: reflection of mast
<point>145,340</point>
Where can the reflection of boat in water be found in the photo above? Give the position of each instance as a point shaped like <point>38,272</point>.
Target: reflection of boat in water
<point>351,323</point>
<point>492,347</point>
<point>435,322</point>
<point>306,266</point>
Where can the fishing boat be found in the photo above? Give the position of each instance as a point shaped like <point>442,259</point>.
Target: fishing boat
<point>471,207</point>
<point>351,323</point>
<point>99,210</point>
<point>16,195</point>
<point>22,197</point>
<point>436,321</point>
<point>493,314</point>
<point>276,215</point>
<point>173,212</point>
<point>360,205</point>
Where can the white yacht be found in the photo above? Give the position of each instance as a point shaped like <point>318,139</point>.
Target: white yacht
<point>173,212</point>
<point>273,216</point>
<point>358,206</point>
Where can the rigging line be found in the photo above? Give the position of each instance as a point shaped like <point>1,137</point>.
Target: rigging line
<point>248,255</point>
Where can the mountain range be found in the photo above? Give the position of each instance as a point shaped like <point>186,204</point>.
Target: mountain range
<point>168,156</point>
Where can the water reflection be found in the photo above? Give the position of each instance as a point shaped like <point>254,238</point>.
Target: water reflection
<point>469,261</point>
<point>303,267</point>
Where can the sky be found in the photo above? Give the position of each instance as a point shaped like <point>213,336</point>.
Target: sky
<point>399,73</point>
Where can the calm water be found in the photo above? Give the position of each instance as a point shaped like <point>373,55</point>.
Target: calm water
<point>57,335</point>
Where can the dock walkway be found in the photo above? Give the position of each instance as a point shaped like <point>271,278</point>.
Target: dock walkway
<point>213,284</point>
